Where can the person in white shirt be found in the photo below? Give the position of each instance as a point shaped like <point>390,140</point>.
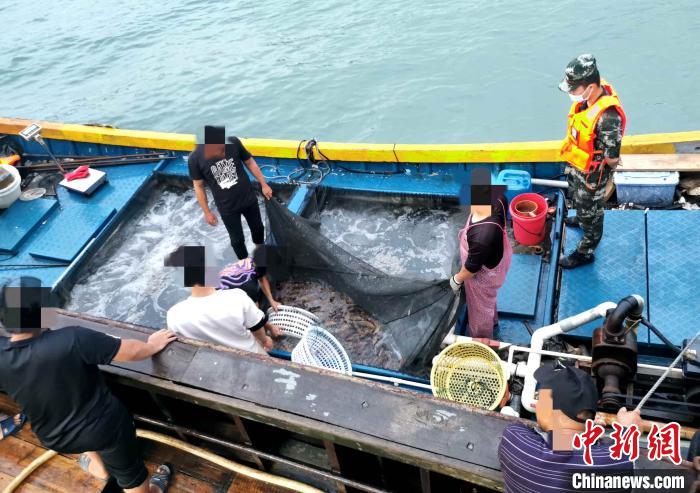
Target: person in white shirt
<point>228,317</point>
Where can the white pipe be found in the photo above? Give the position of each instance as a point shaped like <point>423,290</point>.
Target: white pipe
<point>542,352</point>
<point>544,333</point>
<point>451,339</point>
<point>549,183</point>
<point>521,349</point>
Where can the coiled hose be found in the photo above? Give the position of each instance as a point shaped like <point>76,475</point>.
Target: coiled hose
<point>249,472</point>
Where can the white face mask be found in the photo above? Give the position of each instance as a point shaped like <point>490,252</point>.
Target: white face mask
<point>580,98</point>
<point>576,99</point>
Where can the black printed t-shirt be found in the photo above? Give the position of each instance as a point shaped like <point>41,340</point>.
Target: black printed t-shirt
<point>226,178</point>
<point>55,379</point>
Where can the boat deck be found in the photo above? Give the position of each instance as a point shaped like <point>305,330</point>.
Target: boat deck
<point>48,238</point>
<point>62,474</point>
<point>641,252</point>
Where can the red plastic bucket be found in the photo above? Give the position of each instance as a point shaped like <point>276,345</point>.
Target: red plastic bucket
<point>529,213</point>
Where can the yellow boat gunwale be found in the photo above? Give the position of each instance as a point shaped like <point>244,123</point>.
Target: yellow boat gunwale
<point>506,152</point>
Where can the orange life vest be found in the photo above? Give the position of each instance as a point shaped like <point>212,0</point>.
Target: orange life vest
<point>578,147</point>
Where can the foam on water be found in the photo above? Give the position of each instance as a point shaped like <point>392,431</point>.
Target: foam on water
<point>415,240</point>
<point>126,281</point>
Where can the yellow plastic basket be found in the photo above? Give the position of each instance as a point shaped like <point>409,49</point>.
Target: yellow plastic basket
<point>470,373</point>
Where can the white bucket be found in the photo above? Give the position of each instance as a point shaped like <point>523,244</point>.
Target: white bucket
<point>9,193</point>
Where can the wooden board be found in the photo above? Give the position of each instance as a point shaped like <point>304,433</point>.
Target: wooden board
<point>659,162</point>
<point>172,364</point>
<point>412,427</point>
<point>413,419</point>
<point>62,474</point>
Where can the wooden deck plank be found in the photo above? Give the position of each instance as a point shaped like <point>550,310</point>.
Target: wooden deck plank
<point>63,475</point>
<point>60,475</point>
<point>415,420</point>
<point>659,162</point>
<point>309,427</point>
<point>187,464</point>
<point>6,479</point>
<point>243,484</point>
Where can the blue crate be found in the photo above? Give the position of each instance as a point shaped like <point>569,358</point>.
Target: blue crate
<point>517,182</point>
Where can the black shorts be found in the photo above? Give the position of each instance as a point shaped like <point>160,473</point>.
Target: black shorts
<point>252,289</point>
<point>113,437</point>
<point>123,458</point>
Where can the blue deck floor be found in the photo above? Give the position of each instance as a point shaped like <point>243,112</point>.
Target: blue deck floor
<point>648,253</point>
<point>63,228</point>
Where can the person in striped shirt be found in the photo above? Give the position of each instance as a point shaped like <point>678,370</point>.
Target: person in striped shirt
<point>542,460</point>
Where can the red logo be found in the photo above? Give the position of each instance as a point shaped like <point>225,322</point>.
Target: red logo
<point>587,439</point>
<point>625,441</point>
<point>665,442</point>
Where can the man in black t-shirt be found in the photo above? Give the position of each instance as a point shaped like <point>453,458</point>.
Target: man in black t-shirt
<point>220,167</point>
<point>53,376</point>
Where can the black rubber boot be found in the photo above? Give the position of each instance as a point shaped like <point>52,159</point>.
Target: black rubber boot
<point>572,222</point>
<point>575,259</point>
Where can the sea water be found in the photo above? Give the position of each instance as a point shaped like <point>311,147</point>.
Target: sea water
<point>362,71</point>
<point>402,236</point>
<point>127,281</point>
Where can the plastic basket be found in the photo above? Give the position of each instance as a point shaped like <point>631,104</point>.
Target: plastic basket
<point>319,348</point>
<point>470,373</point>
<point>292,320</point>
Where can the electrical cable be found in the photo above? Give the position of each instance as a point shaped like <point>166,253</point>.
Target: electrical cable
<point>664,339</point>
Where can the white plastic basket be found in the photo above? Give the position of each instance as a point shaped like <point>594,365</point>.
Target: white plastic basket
<point>292,320</point>
<point>319,348</point>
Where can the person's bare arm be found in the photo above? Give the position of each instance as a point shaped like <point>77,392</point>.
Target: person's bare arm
<point>463,274</point>
<point>255,169</point>
<point>201,193</point>
<point>265,285</point>
<point>264,340</point>
<point>135,350</point>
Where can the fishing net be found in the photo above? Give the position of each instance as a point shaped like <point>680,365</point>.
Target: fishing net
<point>412,315</point>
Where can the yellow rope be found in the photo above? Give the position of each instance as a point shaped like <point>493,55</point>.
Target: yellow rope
<point>196,451</point>
<point>45,457</point>
<point>228,464</point>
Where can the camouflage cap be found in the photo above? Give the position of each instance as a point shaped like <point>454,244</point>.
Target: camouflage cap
<point>577,71</point>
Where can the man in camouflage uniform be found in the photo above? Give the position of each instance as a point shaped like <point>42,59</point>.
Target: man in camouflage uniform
<point>588,178</point>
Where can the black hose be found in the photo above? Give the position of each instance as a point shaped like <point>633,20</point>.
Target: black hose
<point>665,340</point>
<point>628,306</point>
<point>362,172</point>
